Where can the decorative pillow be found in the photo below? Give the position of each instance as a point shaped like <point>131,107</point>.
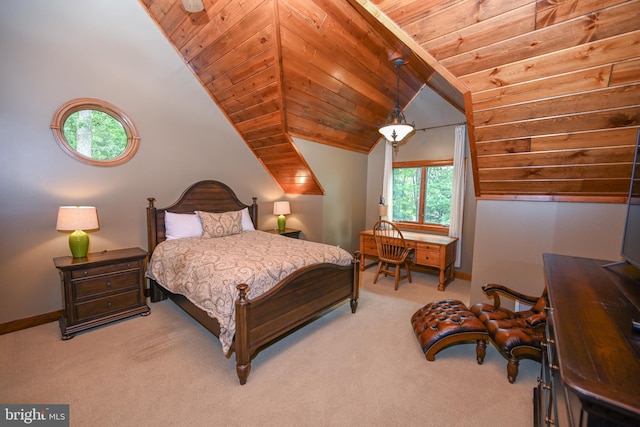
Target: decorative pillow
<point>178,226</point>
<point>247,224</point>
<point>220,224</point>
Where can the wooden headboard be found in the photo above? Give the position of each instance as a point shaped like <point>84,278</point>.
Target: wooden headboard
<point>209,196</point>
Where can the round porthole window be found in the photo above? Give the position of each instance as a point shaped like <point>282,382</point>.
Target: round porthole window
<point>95,132</point>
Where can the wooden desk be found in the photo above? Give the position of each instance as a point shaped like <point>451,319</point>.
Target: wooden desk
<point>591,368</point>
<point>430,250</point>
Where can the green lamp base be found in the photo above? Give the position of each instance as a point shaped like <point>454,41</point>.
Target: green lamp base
<point>79,244</point>
<point>282,221</point>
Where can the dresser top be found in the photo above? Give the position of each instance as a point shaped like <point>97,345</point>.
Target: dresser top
<point>592,308</point>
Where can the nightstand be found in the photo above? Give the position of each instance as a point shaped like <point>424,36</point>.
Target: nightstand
<point>289,232</point>
<point>101,288</point>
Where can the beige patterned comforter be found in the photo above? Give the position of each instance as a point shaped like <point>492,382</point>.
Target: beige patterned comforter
<point>207,270</point>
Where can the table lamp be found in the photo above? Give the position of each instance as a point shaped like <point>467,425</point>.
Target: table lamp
<point>77,219</point>
<point>383,211</point>
<point>281,209</point>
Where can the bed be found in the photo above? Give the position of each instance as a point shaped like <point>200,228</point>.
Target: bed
<point>292,301</point>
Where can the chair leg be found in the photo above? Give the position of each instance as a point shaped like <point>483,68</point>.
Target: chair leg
<point>512,369</point>
<point>375,279</point>
<point>481,351</point>
<point>397,275</point>
<point>406,265</point>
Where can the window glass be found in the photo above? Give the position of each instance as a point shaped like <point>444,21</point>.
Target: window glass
<point>437,201</point>
<point>95,134</point>
<point>422,193</point>
<point>406,194</point>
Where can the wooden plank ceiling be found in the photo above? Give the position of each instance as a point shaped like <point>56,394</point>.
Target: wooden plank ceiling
<point>550,88</point>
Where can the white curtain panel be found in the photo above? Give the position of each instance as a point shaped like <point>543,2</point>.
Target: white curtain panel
<point>457,195</point>
<point>387,179</point>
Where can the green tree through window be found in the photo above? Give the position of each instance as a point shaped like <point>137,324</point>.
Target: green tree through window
<point>95,134</point>
<point>422,193</point>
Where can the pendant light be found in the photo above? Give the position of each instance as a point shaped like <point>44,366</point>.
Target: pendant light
<point>193,6</point>
<point>395,129</point>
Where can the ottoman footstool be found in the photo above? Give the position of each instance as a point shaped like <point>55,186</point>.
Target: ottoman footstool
<point>442,323</point>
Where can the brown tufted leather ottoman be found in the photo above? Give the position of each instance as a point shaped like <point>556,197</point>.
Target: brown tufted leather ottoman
<point>442,323</point>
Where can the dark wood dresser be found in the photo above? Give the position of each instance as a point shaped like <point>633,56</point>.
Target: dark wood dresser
<point>101,288</point>
<point>591,361</point>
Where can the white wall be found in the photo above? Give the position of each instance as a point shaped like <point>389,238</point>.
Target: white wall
<point>57,50</point>
<point>511,237</point>
<point>343,178</point>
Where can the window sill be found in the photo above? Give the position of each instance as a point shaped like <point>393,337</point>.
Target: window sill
<point>423,227</point>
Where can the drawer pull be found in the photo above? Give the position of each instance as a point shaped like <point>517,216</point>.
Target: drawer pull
<point>129,265</point>
<point>109,304</point>
<point>108,283</point>
<point>85,272</point>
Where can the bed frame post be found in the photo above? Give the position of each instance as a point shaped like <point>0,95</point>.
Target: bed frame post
<point>155,294</point>
<point>356,281</point>
<point>254,212</point>
<point>243,358</point>
<point>152,224</point>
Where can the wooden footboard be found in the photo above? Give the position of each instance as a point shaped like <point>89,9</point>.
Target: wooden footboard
<point>299,298</point>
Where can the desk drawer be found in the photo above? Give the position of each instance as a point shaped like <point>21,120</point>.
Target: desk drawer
<point>427,254</point>
<point>368,246</point>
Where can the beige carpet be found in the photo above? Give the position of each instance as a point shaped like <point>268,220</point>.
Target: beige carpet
<point>342,370</point>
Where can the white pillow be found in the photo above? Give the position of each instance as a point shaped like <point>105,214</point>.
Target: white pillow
<point>178,226</point>
<point>247,224</point>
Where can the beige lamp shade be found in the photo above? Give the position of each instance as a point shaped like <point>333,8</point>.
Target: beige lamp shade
<point>383,210</point>
<point>281,208</point>
<point>72,218</point>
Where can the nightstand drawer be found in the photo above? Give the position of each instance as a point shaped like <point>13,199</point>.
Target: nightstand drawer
<point>103,269</point>
<point>106,305</point>
<point>101,285</point>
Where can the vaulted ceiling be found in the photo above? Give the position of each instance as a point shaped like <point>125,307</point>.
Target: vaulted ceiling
<point>550,88</point>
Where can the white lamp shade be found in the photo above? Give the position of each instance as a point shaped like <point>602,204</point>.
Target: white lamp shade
<point>281,208</point>
<point>71,218</point>
<point>395,132</point>
<point>193,6</point>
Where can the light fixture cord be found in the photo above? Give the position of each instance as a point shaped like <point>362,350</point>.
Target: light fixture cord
<point>398,64</point>
<point>396,111</point>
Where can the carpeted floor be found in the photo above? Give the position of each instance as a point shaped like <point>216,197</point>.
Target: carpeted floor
<point>344,369</point>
